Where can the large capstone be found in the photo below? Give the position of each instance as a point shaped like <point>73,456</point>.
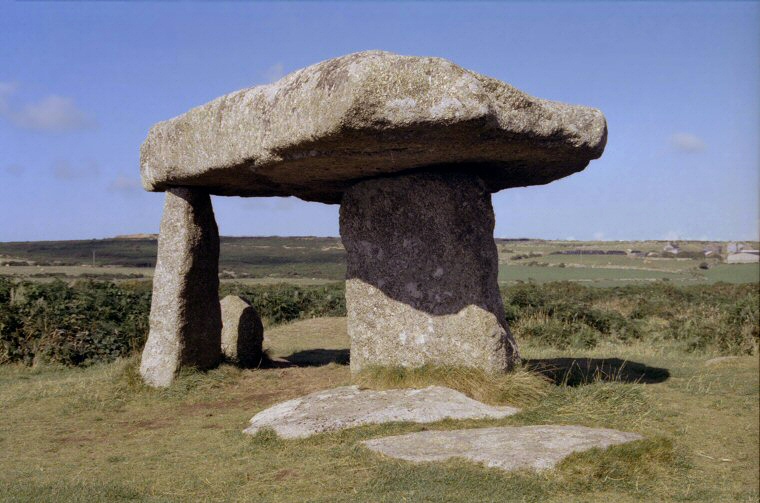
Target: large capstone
<point>319,130</point>
<point>421,284</point>
<point>185,317</point>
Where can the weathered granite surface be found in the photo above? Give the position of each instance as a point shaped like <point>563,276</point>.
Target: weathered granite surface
<point>242,332</point>
<point>348,407</point>
<point>507,447</point>
<point>318,130</point>
<point>421,282</point>
<point>185,317</point>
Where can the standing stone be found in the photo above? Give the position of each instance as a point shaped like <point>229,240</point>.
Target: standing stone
<point>242,332</point>
<point>185,316</point>
<point>421,282</point>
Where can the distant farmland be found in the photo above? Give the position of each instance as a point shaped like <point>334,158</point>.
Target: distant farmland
<point>318,259</point>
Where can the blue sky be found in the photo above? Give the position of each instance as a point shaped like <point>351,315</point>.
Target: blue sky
<point>81,83</point>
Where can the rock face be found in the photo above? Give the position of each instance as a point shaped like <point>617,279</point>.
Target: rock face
<point>508,447</point>
<point>348,407</point>
<point>319,130</point>
<point>185,317</point>
<point>421,283</point>
<point>242,332</point>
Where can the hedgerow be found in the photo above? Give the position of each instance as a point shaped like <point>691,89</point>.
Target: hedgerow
<point>95,321</point>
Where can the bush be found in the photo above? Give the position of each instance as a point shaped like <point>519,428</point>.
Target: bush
<point>79,324</point>
<point>544,330</point>
<point>284,303</point>
<point>98,321</point>
<point>719,318</point>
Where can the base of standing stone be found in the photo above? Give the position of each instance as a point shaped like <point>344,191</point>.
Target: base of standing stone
<point>185,316</point>
<point>421,285</point>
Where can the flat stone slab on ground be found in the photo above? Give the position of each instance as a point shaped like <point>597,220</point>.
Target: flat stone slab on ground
<point>508,447</point>
<point>348,406</point>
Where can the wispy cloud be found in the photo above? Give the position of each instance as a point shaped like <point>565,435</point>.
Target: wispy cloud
<point>64,170</point>
<point>6,89</point>
<point>125,185</point>
<point>14,169</point>
<point>687,142</point>
<point>51,113</point>
<point>274,72</point>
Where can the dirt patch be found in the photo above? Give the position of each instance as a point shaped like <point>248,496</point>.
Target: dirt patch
<point>144,424</point>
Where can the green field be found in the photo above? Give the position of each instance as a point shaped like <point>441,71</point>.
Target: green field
<point>312,260</point>
<point>95,434</point>
<point>617,276</point>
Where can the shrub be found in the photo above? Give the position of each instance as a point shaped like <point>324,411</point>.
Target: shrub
<point>283,303</point>
<point>549,331</point>
<point>75,324</point>
<point>98,321</point>
<point>93,321</point>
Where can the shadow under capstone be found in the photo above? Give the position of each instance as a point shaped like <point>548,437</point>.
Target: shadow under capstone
<point>579,371</point>
<point>319,357</point>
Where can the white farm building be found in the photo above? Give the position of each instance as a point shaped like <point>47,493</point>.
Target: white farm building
<point>744,257</point>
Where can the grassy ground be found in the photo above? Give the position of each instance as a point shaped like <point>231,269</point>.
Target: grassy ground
<point>96,434</point>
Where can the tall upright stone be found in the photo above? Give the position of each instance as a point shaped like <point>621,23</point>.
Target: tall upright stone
<point>185,316</point>
<point>421,284</point>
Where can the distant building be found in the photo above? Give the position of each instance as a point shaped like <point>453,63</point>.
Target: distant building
<point>735,247</point>
<point>671,248</point>
<point>713,250</point>
<point>745,256</point>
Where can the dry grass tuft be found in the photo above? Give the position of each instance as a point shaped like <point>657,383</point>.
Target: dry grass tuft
<point>520,387</point>
<point>639,464</point>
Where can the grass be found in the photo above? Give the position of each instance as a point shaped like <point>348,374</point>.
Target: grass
<point>98,434</point>
<point>320,341</point>
<point>520,387</point>
<point>608,276</point>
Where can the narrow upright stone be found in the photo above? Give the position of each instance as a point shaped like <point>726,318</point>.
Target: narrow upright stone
<point>421,283</point>
<point>185,316</point>
<point>242,332</point>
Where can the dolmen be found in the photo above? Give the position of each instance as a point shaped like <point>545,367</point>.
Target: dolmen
<point>412,149</point>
